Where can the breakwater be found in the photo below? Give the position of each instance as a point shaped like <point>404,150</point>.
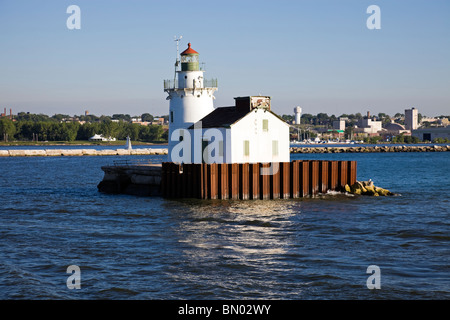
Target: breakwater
<point>81,152</point>
<point>360,149</point>
<point>243,181</point>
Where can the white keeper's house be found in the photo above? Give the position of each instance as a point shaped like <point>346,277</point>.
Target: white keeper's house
<point>248,132</point>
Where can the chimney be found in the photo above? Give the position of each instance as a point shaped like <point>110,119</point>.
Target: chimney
<point>10,113</point>
<point>251,102</point>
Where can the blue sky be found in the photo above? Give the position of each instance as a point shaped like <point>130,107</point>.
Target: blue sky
<point>315,54</point>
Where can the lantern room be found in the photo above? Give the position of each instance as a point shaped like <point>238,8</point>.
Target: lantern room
<point>189,59</point>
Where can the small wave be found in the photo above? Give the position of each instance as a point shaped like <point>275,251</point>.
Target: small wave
<point>118,290</point>
<point>257,223</point>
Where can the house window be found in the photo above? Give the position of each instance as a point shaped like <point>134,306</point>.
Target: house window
<point>246,148</point>
<point>171,116</point>
<point>265,125</point>
<point>274,147</point>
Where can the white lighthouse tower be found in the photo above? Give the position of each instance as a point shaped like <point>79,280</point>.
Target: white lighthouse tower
<point>191,96</point>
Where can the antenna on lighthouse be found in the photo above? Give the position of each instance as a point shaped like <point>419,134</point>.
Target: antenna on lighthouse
<point>177,61</point>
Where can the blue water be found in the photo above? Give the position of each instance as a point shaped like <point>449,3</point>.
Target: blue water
<point>128,247</point>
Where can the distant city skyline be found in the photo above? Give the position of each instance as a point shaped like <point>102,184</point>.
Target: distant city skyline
<point>318,55</point>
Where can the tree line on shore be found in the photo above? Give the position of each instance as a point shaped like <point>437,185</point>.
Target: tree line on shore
<point>59,127</point>
<point>39,127</point>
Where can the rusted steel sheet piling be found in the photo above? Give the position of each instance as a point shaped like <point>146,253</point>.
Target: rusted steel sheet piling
<point>284,180</point>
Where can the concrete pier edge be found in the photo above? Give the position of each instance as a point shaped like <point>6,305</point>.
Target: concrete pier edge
<point>362,149</point>
<point>80,152</point>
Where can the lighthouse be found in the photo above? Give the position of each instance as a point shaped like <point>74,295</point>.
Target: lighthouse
<point>191,96</point>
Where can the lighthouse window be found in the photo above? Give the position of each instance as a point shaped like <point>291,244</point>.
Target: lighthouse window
<point>171,116</point>
<point>265,125</point>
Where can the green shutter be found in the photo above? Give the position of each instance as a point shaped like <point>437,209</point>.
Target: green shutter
<point>265,125</point>
<point>246,148</point>
<point>274,148</point>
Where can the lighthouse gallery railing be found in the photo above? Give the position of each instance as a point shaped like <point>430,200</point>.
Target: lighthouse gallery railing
<point>207,83</point>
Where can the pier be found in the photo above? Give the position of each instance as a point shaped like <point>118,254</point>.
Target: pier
<point>244,181</point>
<point>363,149</point>
<point>80,152</point>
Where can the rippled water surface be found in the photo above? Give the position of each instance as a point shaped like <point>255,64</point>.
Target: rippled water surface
<point>129,247</point>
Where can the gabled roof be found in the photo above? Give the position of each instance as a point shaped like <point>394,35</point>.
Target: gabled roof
<point>224,117</point>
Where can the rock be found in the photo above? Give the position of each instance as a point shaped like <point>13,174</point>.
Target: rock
<point>107,152</point>
<point>89,152</point>
<point>17,153</point>
<point>383,192</point>
<point>53,152</point>
<point>72,152</point>
<point>367,188</point>
<point>32,153</point>
<point>123,152</point>
<point>370,190</point>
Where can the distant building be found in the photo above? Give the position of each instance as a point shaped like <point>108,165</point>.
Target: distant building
<point>368,126</point>
<point>4,114</point>
<point>339,124</point>
<point>429,134</point>
<point>428,119</point>
<point>142,123</point>
<point>395,128</point>
<point>444,122</point>
<point>411,119</point>
<point>158,121</point>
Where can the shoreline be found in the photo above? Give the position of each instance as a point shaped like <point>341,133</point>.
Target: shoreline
<point>164,151</point>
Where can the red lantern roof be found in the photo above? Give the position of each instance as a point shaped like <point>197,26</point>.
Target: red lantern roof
<point>189,50</point>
